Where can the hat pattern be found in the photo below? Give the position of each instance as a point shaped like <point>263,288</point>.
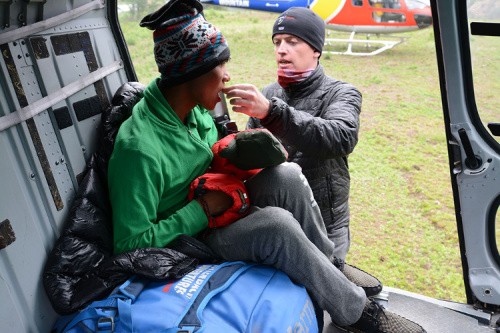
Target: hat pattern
<point>187,45</point>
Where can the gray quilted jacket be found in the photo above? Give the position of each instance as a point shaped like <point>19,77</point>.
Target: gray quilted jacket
<point>317,121</point>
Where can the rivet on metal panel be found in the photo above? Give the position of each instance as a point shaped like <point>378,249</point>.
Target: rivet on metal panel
<point>7,235</point>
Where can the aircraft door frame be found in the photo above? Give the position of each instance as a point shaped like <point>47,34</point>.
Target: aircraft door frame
<point>474,158</point>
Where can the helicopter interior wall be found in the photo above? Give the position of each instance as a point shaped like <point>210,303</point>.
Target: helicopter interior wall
<point>61,63</point>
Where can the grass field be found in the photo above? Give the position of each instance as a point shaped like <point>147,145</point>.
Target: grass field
<point>403,223</point>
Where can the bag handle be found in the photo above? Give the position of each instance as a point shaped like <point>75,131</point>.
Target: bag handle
<point>104,311</point>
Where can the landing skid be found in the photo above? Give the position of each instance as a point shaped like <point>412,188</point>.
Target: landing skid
<point>435,316</point>
<point>378,45</point>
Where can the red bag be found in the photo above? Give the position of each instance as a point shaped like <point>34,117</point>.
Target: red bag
<point>228,184</point>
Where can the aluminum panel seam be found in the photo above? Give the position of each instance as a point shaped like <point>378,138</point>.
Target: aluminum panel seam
<point>48,101</point>
<point>31,29</point>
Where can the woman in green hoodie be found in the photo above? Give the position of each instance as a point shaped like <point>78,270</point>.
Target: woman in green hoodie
<point>166,144</point>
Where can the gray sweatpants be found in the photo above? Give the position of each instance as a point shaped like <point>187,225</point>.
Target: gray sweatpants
<point>285,230</point>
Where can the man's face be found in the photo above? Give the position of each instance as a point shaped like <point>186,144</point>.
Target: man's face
<point>294,53</point>
<point>206,88</point>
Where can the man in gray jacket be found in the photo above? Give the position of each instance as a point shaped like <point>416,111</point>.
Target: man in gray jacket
<point>315,116</point>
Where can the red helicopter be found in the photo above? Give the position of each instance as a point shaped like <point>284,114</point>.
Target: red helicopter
<point>368,17</point>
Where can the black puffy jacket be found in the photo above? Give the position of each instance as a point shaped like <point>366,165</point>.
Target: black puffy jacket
<point>317,121</point>
<point>81,267</point>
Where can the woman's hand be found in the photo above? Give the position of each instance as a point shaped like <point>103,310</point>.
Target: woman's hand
<point>218,202</point>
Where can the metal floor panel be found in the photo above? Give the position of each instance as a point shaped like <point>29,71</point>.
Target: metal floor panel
<point>433,315</point>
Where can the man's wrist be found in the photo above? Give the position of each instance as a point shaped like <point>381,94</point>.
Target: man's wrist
<point>269,109</point>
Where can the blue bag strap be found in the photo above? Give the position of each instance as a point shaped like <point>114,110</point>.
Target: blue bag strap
<point>132,287</point>
<point>219,281</point>
<point>104,311</point>
<point>92,313</point>
<point>125,311</point>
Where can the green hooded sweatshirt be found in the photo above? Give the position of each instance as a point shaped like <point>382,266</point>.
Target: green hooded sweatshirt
<point>154,160</point>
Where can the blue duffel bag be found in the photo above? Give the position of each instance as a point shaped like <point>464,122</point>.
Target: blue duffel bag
<point>229,297</point>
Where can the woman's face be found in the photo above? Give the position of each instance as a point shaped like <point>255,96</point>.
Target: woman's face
<point>206,88</point>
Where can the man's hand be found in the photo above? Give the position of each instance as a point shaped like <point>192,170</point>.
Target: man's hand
<point>247,99</point>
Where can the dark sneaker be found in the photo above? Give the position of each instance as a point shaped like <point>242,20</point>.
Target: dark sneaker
<point>371,285</point>
<point>376,319</point>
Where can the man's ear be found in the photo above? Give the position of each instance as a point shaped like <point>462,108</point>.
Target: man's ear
<point>317,55</point>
